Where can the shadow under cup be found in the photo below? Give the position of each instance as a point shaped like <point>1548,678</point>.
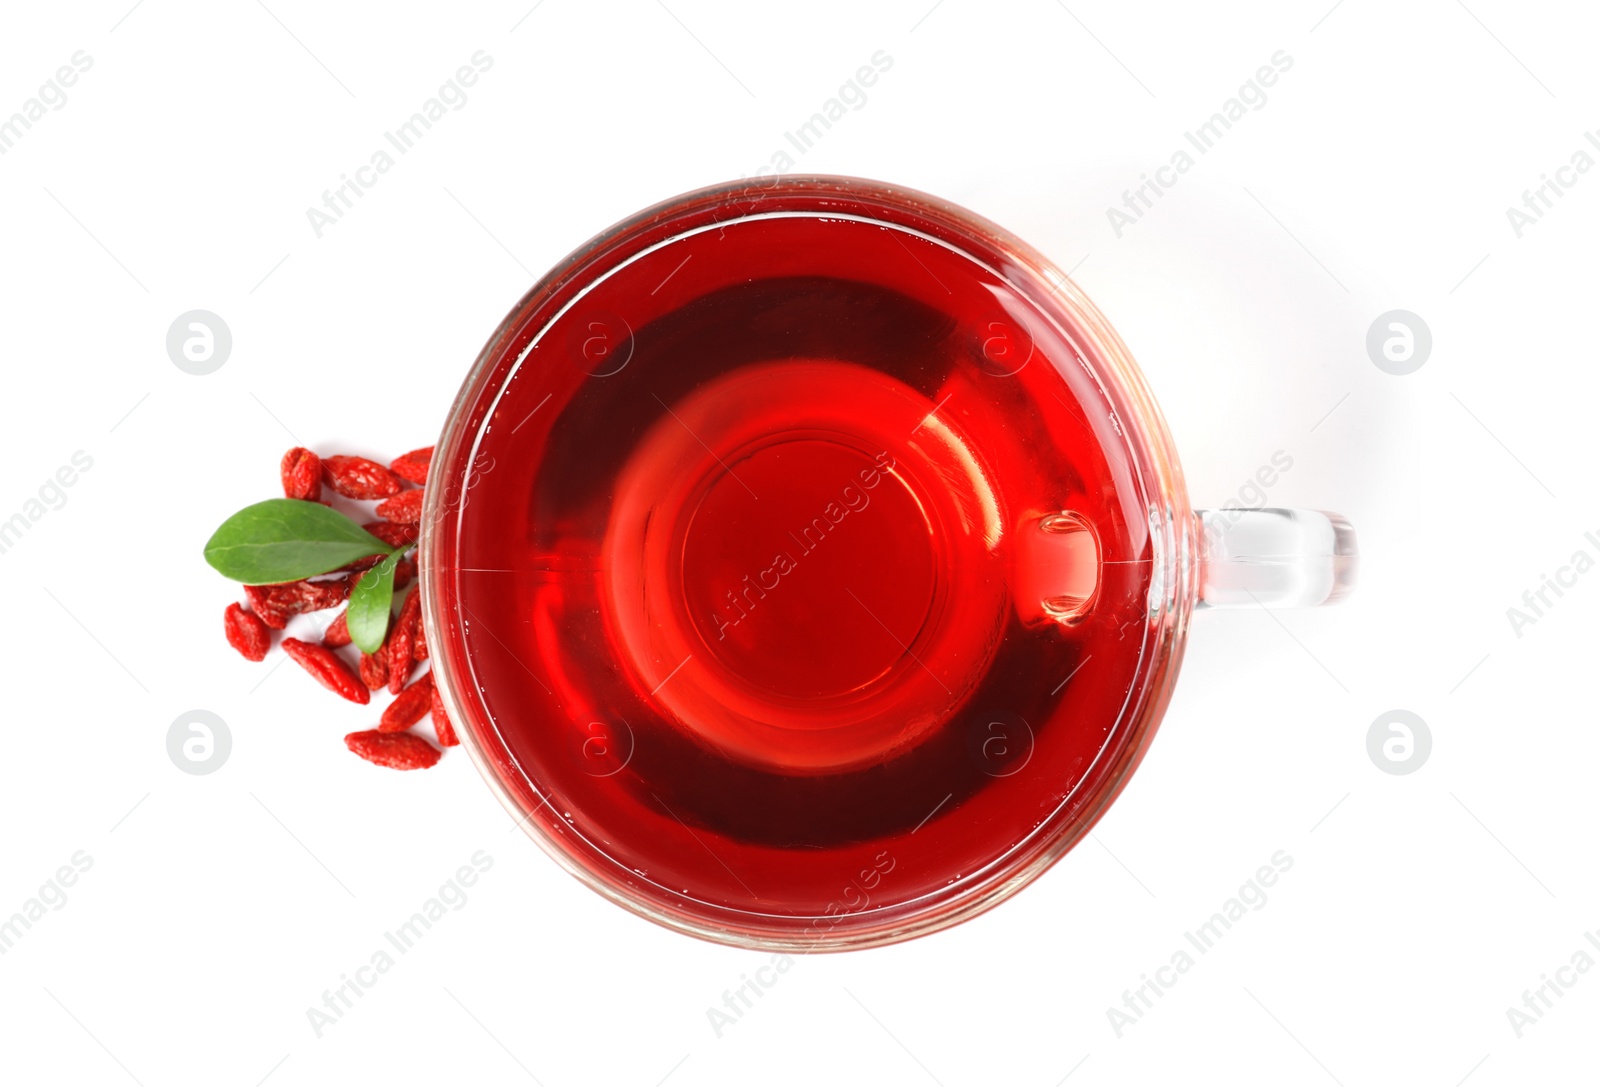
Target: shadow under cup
<point>806,564</point>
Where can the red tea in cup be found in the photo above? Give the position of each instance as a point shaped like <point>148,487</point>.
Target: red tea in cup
<point>807,564</point>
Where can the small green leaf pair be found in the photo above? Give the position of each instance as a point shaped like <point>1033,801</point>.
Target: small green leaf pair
<point>287,539</point>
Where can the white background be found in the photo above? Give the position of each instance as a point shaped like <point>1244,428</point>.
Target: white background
<point>1377,176</point>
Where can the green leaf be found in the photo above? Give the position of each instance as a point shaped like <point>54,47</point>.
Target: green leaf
<point>368,613</point>
<point>286,539</point>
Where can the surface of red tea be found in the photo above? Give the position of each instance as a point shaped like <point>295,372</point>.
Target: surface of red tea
<point>801,570</point>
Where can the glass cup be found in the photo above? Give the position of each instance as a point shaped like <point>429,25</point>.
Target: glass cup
<point>806,564</point>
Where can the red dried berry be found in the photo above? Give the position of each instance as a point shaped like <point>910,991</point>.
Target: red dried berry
<point>325,593</point>
<point>374,669</point>
<point>404,508</point>
<point>404,570</point>
<point>277,604</point>
<point>413,465</point>
<point>396,750</point>
<point>246,633</point>
<point>409,707</point>
<point>392,534</point>
<point>441,721</point>
<point>401,638</point>
<point>273,606</point>
<point>419,647</point>
<point>302,475</point>
<point>358,477</point>
<point>338,632</point>
<point>328,669</point>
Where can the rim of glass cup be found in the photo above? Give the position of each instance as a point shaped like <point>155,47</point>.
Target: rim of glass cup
<point>1147,442</point>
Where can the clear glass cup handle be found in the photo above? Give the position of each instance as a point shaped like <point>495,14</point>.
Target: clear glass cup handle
<point>1274,557</point>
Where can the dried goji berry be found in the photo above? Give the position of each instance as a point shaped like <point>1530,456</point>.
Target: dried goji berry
<point>328,669</point>
<point>302,475</point>
<point>441,721</point>
<point>325,593</point>
<point>404,508</point>
<point>419,647</point>
<point>392,534</point>
<point>277,604</point>
<point>246,633</point>
<point>338,632</point>
<point>413,465</point>
<point>409,707</point>
<point>404,570</point>
<point>396,750</point>
<point>272,605</point>
<point>358,477</point>
<point>402,636</point>
<point>374,669</point>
